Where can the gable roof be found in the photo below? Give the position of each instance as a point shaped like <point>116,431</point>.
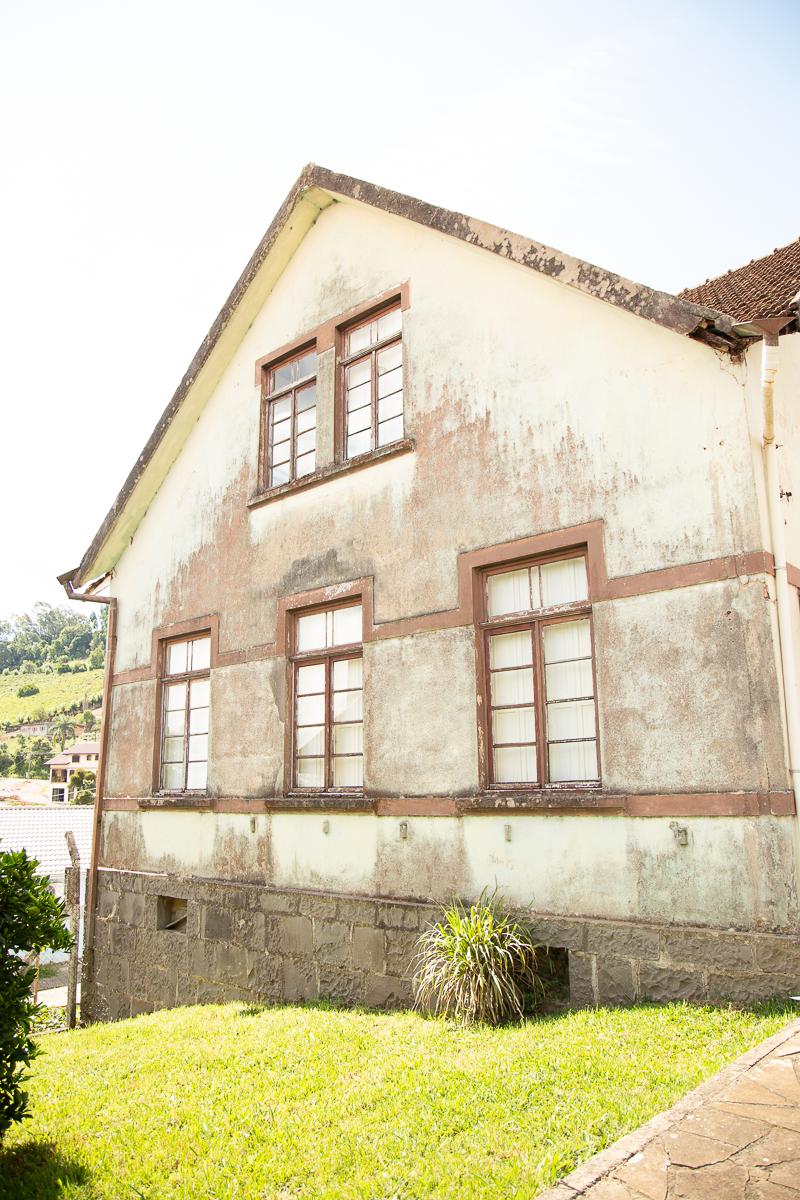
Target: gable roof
<point>765,287</point>
<point>65,756</point>
<point>40,831</point>
<point>316,189</point>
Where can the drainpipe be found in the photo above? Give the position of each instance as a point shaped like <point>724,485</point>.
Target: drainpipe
<point>111,647</point>
<point>769,369</point>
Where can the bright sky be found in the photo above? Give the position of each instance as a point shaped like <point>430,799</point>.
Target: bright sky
<point>146,148</point>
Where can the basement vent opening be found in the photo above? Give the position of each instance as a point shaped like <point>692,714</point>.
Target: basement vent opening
<point>171,914</point>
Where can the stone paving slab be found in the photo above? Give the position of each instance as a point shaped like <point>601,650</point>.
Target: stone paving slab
<point>736,1137</point>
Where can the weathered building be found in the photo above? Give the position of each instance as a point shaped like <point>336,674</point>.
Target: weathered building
<point>450,564</point>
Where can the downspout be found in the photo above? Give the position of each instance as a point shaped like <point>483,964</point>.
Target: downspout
<point>108,673</point>
<point>769,369</point>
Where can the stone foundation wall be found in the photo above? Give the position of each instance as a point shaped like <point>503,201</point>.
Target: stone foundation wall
<point>245,942</point>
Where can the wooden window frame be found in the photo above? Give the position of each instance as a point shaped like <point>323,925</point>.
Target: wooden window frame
<point>535,621</point>
<point>329,655</point>
<point>165,681</point>
<point>344,361</point>
<point>270,398</point>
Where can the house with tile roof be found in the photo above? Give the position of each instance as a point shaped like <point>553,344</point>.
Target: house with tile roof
<point>82,756</point>
<point>454,562</point>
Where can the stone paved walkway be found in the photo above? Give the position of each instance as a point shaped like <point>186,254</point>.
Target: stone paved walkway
<point>736,1137</point>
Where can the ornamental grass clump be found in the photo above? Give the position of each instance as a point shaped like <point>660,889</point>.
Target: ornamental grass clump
<point>478,965</point>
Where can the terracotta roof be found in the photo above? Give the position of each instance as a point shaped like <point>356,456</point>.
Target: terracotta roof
<point>765,287</point>
<point>41,831</point>
<point>64,756</point>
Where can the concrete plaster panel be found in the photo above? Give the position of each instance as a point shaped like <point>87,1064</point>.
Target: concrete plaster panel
<point>420,724</point>
<point>246,743</point>
<point>688,692</point>
<point>133,728</point>
<point>214,845</point>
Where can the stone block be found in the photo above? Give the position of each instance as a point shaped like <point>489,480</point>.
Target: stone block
<point>107,904</point>
<point>209,993</point>
<point>299,980</point>
<point>241,994</point>
<point>386,991</point>
<point>341,984</point>
<point>664,984</point>
<point>231,965</point>
<point>321,907</point>
<point>359,912</point>
<point>779,956</point>
<point>121,940</point>
<point>581,987</point>
<point>185,989</point>
<point>627,941</point>
<point>745,989</point>
<point>564,935</point>
<point>202,959</point>
<point>140,1006</point>
<point>216,924</point>
<point>161,987</point>
<point>234,899</point>
<point>117,974</point>
<point>101,937</point>
<point>265,974</point>
<point>401,950</point>
<point>118,1006</point>
<point>138,980</point>
<point>368,949</point>
<point>290,935</point>
<point>249,929</point>
<point>332,942</point>
<point>193,913</point>
<point>615,981</point>
<point>278,902</point>
<point>131,908</point>
<point>163,948</point>
<point>723,953</point>
<point>398,916</point>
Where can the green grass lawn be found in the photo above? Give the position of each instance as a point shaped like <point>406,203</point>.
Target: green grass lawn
<point>312,1101</point>
<point>54,691</point>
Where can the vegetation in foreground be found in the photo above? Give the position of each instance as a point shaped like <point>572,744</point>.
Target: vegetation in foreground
<point>312,1101</point>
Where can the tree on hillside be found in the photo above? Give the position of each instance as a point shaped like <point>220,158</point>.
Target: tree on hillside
<point>62,729</point>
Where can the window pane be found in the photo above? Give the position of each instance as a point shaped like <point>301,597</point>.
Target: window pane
<point>311,739</point>
<point>199,693</point>
<point>196,776</point>
<point>281,454</point>
<point>172,776</point>
<point>391,382</point>
<point>359,443</point>
<point>201,654</point>
<point>573,760</point>
<point>358,339</point>
<point>306,464</point>
<point>311,632</point>
<point>567,640</point>
<point>348,739</point>
<point>513,687</point>
<point>390,359</point>
<point>173,750</point>
<point>563,582</point>
<point>306,420</point>
<point>567,681</point>
<point>357,397</point>
<point>508,593</point>
<point>281,431</point>
<point>176,659</point>
<point>310,710</point>
<point>392,406</point>
<point>359,374</point>
<point>511,650</point>
<point>390,431</point>
<point>388,324</point>
<point>198,720</point>
<point>279,475</point>
<point>198,748</point>
<point>572,720</point>
<point>347,673</point>
<point>348,772</point>
<point>282,377</point>
<point>311,679</point>
<point>346,625</point>
<point>360,419</point>
<point>347,706</point>
<point>282,409</point>
<point>514,725</point>
<point>176,696</point>
<point>306,399</point>
<point>311,772</point>
<point>174,722</point>
<point>515,764</point>
<point>306,442</point>
<point>307,365</point>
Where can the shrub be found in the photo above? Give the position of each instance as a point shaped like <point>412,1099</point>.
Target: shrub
<point>28,689</point>
<point>79,666</point>
<point>31,919</point>
<point>63,669</point>
<point>477,965</point>
<point>97,658</point>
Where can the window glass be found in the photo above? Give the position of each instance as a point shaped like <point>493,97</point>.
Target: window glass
<point>564,582</point>
<point>374,386</point>
<point>292,422</point>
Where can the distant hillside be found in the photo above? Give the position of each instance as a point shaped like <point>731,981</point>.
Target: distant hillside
<point>57,693</point>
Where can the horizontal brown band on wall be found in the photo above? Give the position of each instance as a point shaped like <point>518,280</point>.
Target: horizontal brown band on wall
<point>690,804</point>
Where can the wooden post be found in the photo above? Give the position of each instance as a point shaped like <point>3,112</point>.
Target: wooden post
<point>72,895</point>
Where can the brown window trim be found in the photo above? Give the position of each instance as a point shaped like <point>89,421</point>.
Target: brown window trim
<point>343,361</point>
<point>187,631</point>
<point>332,472</point>
<point>534,621</point>
<point>268,399</point>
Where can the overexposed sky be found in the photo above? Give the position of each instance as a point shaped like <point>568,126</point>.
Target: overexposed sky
<point>146,147</point>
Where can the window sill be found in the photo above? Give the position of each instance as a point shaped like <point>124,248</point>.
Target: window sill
<point>321,801</point>
<point>589,798</point>
<point>198,801</point>
<point>331,472</point>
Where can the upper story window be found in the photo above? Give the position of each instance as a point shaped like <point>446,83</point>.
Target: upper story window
<point>185,712</point>
<point>328,727</point>
<point>290,417</point>
<point>540,675</point>
<point>373,384</point>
